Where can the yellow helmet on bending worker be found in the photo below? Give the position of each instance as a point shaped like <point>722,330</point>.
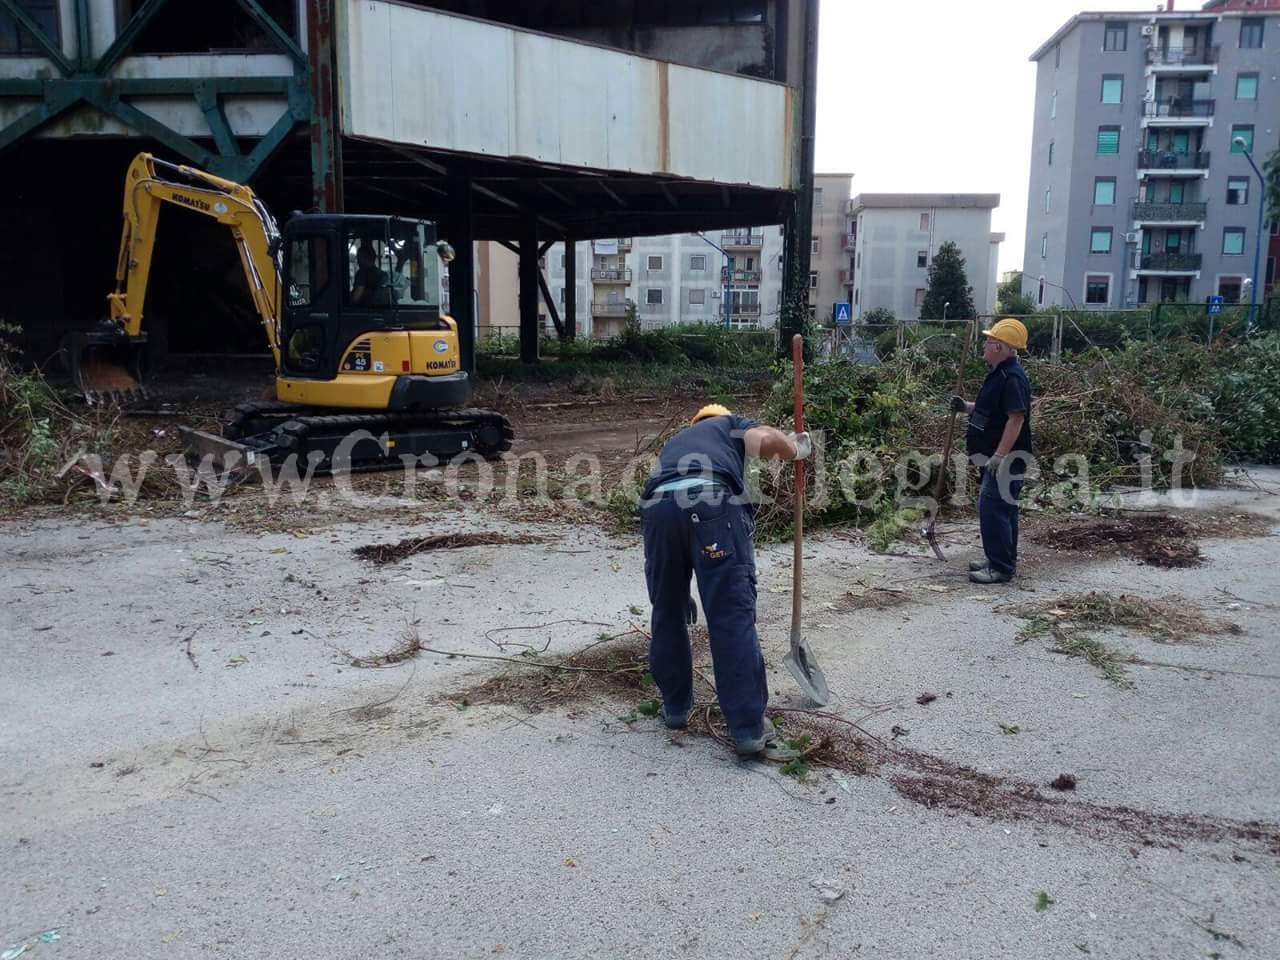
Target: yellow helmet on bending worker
<point>710,410</point>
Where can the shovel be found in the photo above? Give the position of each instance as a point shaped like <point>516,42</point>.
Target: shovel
<point>799,660</point>
<point>930,532</point>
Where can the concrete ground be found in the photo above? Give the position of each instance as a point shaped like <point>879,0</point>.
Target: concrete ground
<point>192,768</point>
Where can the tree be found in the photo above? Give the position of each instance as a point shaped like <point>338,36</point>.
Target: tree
<point>879,317</point>
<point>1010,298</point>
<point>1271,169</point>
<point>948,284</point>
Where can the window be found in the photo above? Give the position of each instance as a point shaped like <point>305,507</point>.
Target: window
<point>1251,33</point>
<point>308,269</point>
<point>1247,86</point>
<point>1044,247</point>
<point>855,297</point>
<point>369,270</point>
<point>1104,191</point>
<point>1097,289</point>
<point>817,198</point>
<point>697,296</point>
<point>653,295</point>
<point>562,296</point>
<point>1108,140</point>
<point>1177,191</point>
<point>1053,105</point>
<point>924,223</point>
<point>1057,55</point>
<point>1040,294</point>
<point>698,261</point>
<point>858,261</point>
<point>655,263</point>
<point>14,39</point>
<point>920,294</point>
<point>1233,241</point>
<point>813,279</point>
<point>1237,191</point>
<point>1244,131</point>
<point>562,261</point>
<point>1112,89</point>
<point>1116,37</point>
<point>1051,153</point>
<point>1100,240</point>
<point>1230,288</point>
<point>922,258</point>
<point>1048,199</point>
<point>816,246</point>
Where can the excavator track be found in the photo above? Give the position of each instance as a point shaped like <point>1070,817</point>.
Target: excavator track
<point>279,430</point>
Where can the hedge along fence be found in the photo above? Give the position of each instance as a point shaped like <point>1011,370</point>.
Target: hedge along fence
<point>1077,330</point>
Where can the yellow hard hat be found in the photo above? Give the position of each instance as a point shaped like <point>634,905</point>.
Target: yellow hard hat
<point>1009,331</point>
<point>710,410</point>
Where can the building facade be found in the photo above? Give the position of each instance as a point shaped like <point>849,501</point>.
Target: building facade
<point>679,278</point>
<point>1139,190</point>
<point>894,237</point>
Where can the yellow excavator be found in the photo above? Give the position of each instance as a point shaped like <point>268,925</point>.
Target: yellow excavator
<point>351,308</point>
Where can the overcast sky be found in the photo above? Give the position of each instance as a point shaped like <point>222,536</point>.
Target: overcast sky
<point>927,96</point>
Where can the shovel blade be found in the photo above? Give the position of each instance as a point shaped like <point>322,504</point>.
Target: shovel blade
<point>807,674</point>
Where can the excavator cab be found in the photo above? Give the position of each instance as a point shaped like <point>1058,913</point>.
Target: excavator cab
<point>349,276</point>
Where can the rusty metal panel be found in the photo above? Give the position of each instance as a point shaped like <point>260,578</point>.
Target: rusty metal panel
<point>423,77</point>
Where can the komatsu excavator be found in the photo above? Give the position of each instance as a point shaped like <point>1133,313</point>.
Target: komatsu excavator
<point>351,308</point>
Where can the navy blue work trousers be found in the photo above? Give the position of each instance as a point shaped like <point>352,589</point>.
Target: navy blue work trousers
<point>998,520</point>
<point>708,538</point>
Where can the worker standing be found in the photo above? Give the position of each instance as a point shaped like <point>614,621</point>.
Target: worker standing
<point>999,441</point>
<point>697,521</point>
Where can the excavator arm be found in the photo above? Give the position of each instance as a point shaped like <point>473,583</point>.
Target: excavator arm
<point>104,362</point>
<point>151,183</point>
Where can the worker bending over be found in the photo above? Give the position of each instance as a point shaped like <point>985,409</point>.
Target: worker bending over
<point>697,521</point>
<point>999,441</point>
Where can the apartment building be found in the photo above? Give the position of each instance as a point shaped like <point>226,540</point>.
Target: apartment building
<point>681,278</point>
<point>1139,191</point>
<point>894,236</point>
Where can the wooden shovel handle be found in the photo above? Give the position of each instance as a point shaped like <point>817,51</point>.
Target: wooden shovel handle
<point>797,364</point>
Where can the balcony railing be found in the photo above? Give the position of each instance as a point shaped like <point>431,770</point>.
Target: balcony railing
<point>743,309</point>
<point>1170,262</point>
<point>850,241</point>
<point>740,276</point>
<point>1171,160</point>
<point>846,277</point>
<point>614,308</point>
<point>624,244</point>
<point>1179,107</point>
<point>741,238</point>
<point>1196,56</point>
<point>611,276</point>
<point>1169,212</point>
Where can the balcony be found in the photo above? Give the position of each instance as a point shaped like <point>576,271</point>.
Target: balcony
<point>1170,262</point>
<point>743,310</point>
<point>615,308</point>
<point>1167,161</point>
<point>850,241</point>
<point>740,276</point>
<point>1192,58</point>
<point>624,244</point>
<point>1192,213</point>
<point>741,239</point>
<point>611,276</point>
<point>1179,108</point>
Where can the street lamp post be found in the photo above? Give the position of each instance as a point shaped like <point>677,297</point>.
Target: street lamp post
<point>1247,150</point>
<point>944,311</point>
<point>728,273</point>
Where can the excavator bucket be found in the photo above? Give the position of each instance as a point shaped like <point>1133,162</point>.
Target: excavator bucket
<point>105,365</point>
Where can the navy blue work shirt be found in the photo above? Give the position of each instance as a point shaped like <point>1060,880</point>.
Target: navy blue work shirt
<point>1006,390</point>
<point>713,448</point>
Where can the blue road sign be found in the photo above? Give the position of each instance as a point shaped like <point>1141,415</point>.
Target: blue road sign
<point>842,313</point>
<point>1215,306</point>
